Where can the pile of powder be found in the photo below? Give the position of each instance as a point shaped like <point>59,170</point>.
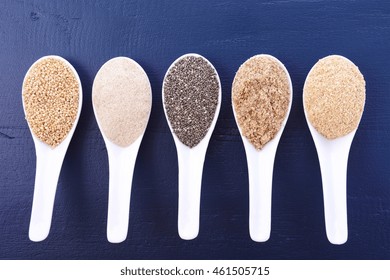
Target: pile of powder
<point>51,100</point>
<point>261,98</point>
<point>191,93</point>
<point>334,96</point>
<point>122,100</point>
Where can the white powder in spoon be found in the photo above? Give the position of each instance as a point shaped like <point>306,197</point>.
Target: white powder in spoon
<point>122,100</point>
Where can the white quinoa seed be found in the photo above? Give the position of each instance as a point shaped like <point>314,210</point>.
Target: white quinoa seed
<point>51,100</point>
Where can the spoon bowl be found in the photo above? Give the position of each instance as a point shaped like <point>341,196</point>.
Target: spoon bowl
<point>260,172</point>
<point>190,162</point>
<point>48,166</point>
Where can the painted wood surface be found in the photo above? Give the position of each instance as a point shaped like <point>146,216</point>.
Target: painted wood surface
<point>227,32</point>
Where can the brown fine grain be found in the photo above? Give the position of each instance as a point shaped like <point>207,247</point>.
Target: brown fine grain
<point>261,98</point>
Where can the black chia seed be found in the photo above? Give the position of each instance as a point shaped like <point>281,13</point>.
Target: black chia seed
<point>191,91</point>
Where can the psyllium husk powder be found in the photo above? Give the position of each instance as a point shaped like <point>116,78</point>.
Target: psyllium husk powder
<point>122,100</point>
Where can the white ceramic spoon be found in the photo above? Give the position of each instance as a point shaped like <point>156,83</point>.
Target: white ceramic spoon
<point>121,167</point>
<point>48,167</point>
<point>260,172</point>
<point>333,158</point>
<point>190,162</point>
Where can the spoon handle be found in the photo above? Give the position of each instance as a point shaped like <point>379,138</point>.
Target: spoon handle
<point>260,172</point>
<point>46,178</point>
<point>190,180</point>
<point>334,184</point>
<point>121,167</point>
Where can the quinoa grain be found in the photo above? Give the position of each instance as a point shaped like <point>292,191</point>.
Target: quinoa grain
<point>51,100</point>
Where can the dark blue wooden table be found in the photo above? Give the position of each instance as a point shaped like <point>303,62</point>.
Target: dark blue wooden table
<point>155,33</point>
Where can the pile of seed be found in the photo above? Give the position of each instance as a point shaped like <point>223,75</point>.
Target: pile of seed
<point>51,99</point>
<point>261,98</point>
<point>334,96</point>
<point>191,92</point>
<point>122,100</point>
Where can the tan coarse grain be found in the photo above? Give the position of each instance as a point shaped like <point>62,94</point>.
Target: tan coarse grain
<point>122,100</point>
<point>334,96</point>
<point>261,98</point>
<point>51,100</point>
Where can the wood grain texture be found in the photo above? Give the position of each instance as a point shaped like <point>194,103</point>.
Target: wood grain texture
<point>227,32</point>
